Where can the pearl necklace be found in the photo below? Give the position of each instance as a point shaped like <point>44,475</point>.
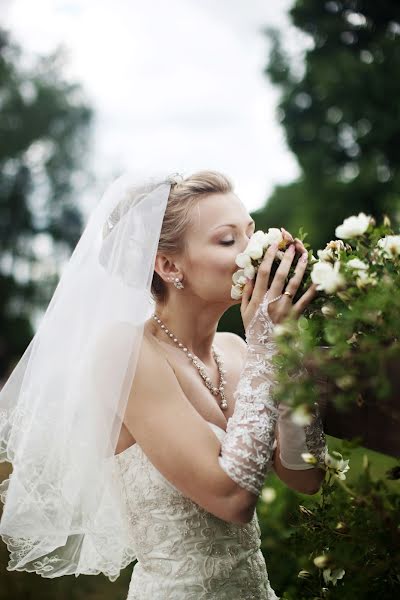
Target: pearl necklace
<point>196,361</point>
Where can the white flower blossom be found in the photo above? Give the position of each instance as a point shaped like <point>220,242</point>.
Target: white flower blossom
<point>336,245</point>
<point>236,292</point>
<point>332,576</point>
<point>273,235</point>
<point>353,226</point>
<point>326,255</point>
<point>356,263</point>
<point>337,466</point>
<point>280,330</point>
<point>250,272</point>
<point>328,310</point>
<point>268,494</point>
<point>327,277</point>
<point>301,416</point>
<point>254,248</point>
<point>243,260</point>
<point>309,458</point>
<point>364,279</point>
<point>239,278</point>
<point>390,246</point>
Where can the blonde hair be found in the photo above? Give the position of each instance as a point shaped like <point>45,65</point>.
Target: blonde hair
<point>183,197</point>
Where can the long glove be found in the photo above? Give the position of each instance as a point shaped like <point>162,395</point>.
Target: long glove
<point>248,445</point>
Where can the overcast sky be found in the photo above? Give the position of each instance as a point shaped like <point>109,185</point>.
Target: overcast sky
<point>176,84</point>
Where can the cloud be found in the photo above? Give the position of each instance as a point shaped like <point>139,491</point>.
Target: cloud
<point>176,85</point>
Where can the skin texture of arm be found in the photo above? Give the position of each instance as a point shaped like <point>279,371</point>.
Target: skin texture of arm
<point>178,442</point>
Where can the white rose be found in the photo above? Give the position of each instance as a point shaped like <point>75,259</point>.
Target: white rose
<point>309,458</point>
<point>390,245</point>
<point>333,575</point>
<point>239,277</point>
<point>301,416</point>
<point>254,248</point>
<point>353,226</point>
<point>280,330</point>
<point>258,235</point>
<point>268,495</point>
<point>327,277</point>
<point>236,292</point>
<point>356,263</point>
<point>328,310</point>
<point>273,236</point>
<point>336,245</point>
<point>243,260</point>
<point>364,279</point>
<point>250,272</point>
<point>326,255</point>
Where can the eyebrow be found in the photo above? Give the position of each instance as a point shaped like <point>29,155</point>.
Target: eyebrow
<point>252,222</point>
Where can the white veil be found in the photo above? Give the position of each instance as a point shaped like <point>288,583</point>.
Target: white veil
<point>61,409</point>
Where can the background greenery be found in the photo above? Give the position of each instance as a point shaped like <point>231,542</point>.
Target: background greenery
<point>340,112</point>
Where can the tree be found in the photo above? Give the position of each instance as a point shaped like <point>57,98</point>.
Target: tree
<point>44,126</point>
<point>340,114</point>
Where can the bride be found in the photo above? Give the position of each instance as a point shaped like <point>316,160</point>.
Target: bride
<point>135,429</point>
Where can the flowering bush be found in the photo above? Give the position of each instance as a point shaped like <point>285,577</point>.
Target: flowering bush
<point>346,543</point>
<point>350,332</point>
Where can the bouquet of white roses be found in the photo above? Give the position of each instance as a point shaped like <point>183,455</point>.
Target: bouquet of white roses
<point>250,259</point>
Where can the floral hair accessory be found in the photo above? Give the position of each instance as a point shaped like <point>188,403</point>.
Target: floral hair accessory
<point>175,178</point>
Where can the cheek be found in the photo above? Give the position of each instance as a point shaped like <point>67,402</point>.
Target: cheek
<point>223,267</point>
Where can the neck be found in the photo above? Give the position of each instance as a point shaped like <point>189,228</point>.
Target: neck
<point>193,324</point>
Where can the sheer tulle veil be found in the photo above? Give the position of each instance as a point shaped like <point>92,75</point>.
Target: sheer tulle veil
<point>61,409</point>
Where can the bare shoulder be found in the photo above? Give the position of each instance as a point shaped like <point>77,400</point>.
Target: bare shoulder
<point>231,341</point>
<point>176,438</point>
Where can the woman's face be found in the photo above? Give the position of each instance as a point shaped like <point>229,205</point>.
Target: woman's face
<point>220,228</point>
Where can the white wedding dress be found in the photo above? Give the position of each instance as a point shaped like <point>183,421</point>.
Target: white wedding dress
<point>183,551</point>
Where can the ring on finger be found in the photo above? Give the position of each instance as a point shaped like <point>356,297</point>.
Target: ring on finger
<point>288,294</point>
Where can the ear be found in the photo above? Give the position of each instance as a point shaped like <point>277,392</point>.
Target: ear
<point>166,268</point>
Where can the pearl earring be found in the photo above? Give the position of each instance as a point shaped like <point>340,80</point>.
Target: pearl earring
<point>177,283</point>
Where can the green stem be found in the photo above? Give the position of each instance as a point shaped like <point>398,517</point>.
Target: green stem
<point>346,487</point>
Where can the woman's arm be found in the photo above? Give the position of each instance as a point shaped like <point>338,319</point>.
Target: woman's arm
<point>303,478</point>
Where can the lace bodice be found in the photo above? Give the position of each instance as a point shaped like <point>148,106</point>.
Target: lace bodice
<point>183,551</point>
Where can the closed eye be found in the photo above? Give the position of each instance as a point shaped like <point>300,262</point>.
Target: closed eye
<point>229,243</point>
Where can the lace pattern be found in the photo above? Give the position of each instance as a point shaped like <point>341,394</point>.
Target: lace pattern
<point>184,552</point>
<point>247,449</point>
<point>102,545</point>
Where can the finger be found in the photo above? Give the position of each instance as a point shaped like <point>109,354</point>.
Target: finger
<point>295,281</point>
<point>282,271</point>
<point>299,246</point>
<point>305,299</point>
<point>263,273</point>
<point>286,236</point>
<point>247,290</point>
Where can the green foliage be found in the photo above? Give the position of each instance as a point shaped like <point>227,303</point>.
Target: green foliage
<point>350,336</point>
<point>340,113</point>
<point>356,529</point>
<point>354,523</point>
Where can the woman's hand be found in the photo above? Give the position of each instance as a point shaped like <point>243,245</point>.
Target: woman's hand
<point>277,311</point>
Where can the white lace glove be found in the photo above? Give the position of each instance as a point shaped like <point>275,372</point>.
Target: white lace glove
<point>295,439</point>
<point>248,445</point>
